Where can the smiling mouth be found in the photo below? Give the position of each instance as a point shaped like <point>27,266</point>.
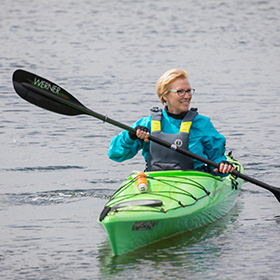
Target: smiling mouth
<point>185,101</point>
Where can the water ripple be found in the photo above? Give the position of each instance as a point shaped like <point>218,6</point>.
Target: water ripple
<point>54,197</point>
<point>43,168</point>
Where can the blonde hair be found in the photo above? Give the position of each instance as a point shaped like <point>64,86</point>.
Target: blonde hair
<point>166,79</point>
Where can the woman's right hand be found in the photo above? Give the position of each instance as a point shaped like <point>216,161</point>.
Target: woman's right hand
<point>142,132</point>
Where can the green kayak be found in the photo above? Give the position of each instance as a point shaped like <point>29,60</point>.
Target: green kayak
<point>172,202</point>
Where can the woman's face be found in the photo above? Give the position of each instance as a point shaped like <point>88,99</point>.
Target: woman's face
<point>178,104</point>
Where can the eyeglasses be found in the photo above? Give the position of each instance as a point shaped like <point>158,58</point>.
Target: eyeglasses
<point>182,92</point>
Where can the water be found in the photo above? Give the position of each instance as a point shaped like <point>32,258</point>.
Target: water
<point>55,173</point>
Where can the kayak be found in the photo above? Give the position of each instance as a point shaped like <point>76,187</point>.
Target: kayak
<point>172,202</point>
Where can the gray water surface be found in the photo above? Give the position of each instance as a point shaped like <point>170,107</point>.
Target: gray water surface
<point>55,173</point>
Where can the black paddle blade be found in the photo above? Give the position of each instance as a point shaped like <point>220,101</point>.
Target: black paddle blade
<point>45,94</point>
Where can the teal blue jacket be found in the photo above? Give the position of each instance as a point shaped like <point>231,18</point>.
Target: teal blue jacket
<point>204,140</point>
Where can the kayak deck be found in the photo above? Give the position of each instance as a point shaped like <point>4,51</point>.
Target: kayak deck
<point>176,201</point>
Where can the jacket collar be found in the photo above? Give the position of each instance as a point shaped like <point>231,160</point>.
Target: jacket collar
<point>175,116</point>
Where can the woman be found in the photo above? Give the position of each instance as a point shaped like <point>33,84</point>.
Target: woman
<point>176,123</point>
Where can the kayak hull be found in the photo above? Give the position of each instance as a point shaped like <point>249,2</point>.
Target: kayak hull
<point>177,201</point>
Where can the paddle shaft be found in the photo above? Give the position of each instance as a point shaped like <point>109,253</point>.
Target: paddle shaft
<point>104,118</point>
<point>44,97</point>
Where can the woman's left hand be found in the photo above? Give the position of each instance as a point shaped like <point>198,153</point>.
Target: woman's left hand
<point>224,167</point>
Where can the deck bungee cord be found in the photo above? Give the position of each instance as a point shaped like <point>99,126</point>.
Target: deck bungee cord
<point>166,181</point>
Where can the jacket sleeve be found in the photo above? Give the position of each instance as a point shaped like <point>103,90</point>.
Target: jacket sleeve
<point>122,147</point>
<point>213,144</point>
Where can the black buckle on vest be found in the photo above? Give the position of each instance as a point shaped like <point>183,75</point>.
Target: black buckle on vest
<point>156,109</point>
